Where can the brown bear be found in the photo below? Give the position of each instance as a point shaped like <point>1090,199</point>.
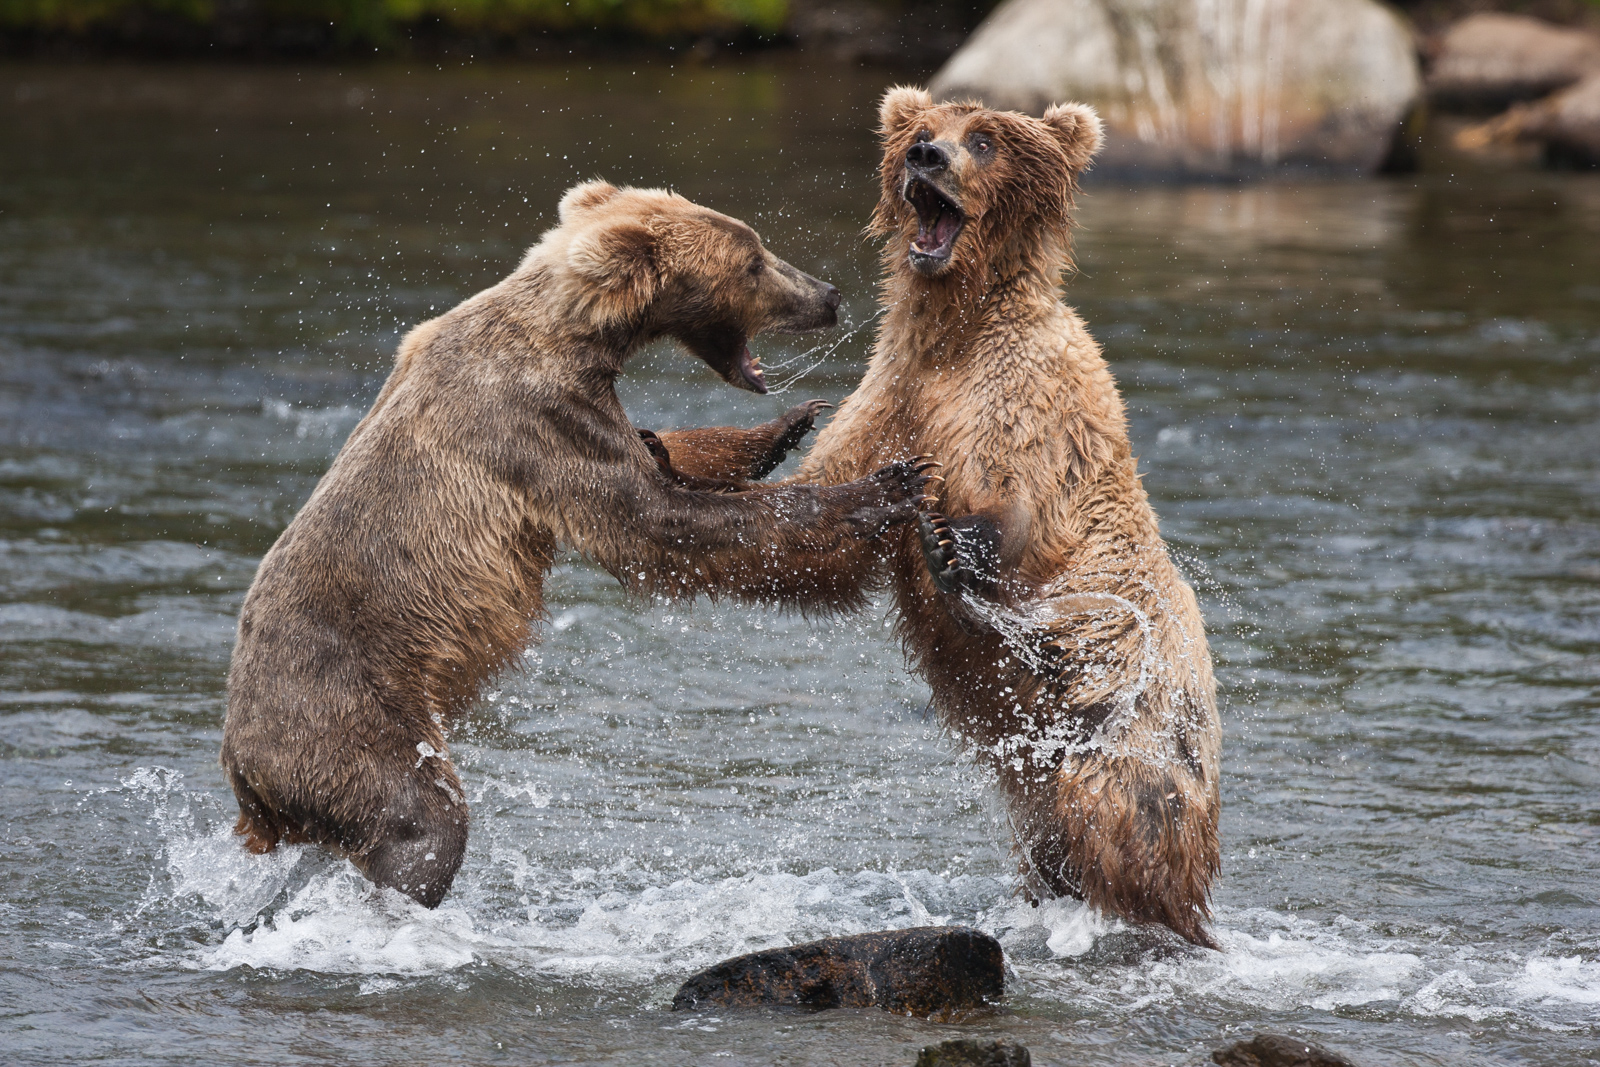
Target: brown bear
<point>414,570</point>
<point>1059,641</point>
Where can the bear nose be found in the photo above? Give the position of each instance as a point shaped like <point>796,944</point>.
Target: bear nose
<point>831,297</point>
<point>925,155</point>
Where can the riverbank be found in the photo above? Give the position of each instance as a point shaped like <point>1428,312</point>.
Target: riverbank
<point>912,34</point>
<point>918,33</point>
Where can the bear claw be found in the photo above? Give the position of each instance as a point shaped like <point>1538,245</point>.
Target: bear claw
<point>796,423</point>
<point>942,553</point>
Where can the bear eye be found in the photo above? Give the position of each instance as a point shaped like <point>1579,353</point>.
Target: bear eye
<point>757,266</point>
<point>981,144</point>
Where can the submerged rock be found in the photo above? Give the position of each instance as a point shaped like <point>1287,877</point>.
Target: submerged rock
<point>966,1052</point>
<point>1276,1050</point>
<point>1566,124</point>
<point>1491,60</point>
<point>929,971</point>
<point>1204,88</point>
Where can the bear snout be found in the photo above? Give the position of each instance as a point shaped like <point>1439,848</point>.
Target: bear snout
<point>810,304</point>
<point>928,157</point>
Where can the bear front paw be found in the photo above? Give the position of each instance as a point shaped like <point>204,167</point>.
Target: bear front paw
<point>906,481</point>
<point>799,421</point>
<point>942,553</point>
<point>792,426</point>
<point>896,489</point>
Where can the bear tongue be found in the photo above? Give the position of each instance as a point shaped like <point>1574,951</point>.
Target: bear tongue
<point>750,372</point>
<point>935,234</point>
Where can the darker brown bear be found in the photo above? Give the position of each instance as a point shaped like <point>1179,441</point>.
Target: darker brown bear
<point>415,568</point>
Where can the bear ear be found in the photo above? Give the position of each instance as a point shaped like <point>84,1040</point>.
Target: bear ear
<point>620,267</point>
<point>586,197</point>
<point>901,105</point>
<point>1078,129</point>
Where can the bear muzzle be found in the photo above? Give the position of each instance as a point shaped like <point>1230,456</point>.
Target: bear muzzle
<point>929,189</point>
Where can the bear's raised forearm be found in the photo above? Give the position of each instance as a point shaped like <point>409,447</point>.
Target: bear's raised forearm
<point>729,452</point>
<point>797,545</point>
<point>802,572</point>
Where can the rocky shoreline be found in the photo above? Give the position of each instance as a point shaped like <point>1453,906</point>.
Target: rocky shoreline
<point>1342,88</point>
<point>1543,79</point>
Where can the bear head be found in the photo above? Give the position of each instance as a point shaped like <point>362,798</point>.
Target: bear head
<point>647,263</point>
<point>965,186</point>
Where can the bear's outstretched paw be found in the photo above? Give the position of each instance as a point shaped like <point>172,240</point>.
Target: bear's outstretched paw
<point>905,482</point>
<point>899,486</point>
<point>799,421</point>
<point>792,427</point>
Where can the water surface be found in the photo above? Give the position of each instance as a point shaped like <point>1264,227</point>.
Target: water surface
<point>1370,419</point>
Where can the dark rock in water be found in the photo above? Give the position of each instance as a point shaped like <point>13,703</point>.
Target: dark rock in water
<point>1276,1050</point>
<point>965,1052</point>
<point>1491,59</point>
<point>929,971</point>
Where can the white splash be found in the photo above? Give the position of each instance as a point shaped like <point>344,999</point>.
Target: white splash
<point>1568,979</point>
<point>299,909</point>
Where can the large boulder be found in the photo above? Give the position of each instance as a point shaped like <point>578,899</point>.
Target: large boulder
<point>1491,60</point>
<point>1204,88</point>
<point>928,971</point>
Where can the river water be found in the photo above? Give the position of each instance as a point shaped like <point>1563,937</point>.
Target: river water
<point>1370,416</point>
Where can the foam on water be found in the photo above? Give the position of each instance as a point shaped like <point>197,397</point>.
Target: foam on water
<point>337,923</point>
<point>299,909</point>
<point>1564,980</point>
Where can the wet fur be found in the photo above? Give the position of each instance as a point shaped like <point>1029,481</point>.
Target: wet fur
<point>415,569</point>
<point>1099,713</point>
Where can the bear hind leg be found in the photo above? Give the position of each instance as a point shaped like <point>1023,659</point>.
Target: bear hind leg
<point>419,846</point>
<point>261,832</point>
<point>258,840</point>
<point>1134,840</point>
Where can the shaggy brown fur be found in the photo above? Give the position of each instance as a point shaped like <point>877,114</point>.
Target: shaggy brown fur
<point>415,568</point>
<point>1060,642</point>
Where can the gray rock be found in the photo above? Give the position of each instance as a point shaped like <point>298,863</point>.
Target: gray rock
<point>1491,60</point>
<point>1276,1050</point>
<point>965,1052</point>
<point>1204,88</point>
<point>928,971</point>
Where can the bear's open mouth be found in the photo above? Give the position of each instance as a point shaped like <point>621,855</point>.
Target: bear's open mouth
<point>939,222</point>
<point>726,348</point>
<point>749,373</point>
